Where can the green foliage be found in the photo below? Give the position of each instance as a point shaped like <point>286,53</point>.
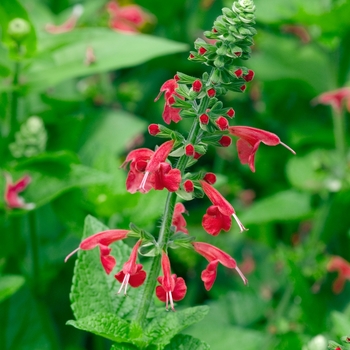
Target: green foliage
<point>9,285</point>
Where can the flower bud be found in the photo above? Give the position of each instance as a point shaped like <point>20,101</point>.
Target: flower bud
<point>238,72</point>
<point>225,141</point>
<point>202,50</point>
<point>191,56</point>
<point>230,113</point>
<point>211,93</point>
<point>153,129</point>
<point>197,155</point>
<point>204,119</point>
<point>249,76</point>
<point>197,86</point>
<point>222,123</point>
<point>188,186</point>
<point>18,29</point>
<point>189,150</point>
<point>176,77</point>
<point>210,178</point>
<point>243,87</point>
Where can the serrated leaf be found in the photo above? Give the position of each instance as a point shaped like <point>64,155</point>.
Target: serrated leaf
<point>93,291</point>
<point>124,347</point>
<point>9,285</point>
<point>105,325</point>
<point>167,324</point>
<point>186,342</point>
<point>112,51</point>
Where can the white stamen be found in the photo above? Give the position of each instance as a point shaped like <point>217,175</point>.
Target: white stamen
<point>70,254</point>
<point>245,280</point>
<point>241,227</point>
<point>286,146</point>
<point>171,301</point>
<point>166,301</point>
<point>124,284</point>
<point>143,182</point>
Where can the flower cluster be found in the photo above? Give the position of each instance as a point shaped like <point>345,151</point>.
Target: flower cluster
<point>167,166</point>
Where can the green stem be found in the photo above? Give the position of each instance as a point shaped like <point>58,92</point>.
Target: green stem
<point>34,247</point>
<point>339,133</point>
<point>165,230</point>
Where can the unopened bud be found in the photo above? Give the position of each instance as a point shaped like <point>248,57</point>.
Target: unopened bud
<point>188,186</point>
<point>18,29</point>
<point>225,141</point>
<point>197,155</point>
<point>238,72</point>
<point>189,150</point>
<point>210,178</point>
<point>204,119</point>
<point>222,123</point>
<point>249,76</point>
<point>243,87</point>
<point>211,93</point>
<point>202,50</point>
<point>197,85</point>
<point>153,129</point>
<point>230,113</point>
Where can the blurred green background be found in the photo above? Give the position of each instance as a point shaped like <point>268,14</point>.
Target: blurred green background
<point>92,89</point>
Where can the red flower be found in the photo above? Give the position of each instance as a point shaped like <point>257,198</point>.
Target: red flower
<point>167,177</point>
<point>214,221</point>
<point>340,265</point>
<point>231,113</point>
<point>210,178</point>
<point>188,186</point>
<point>102,240</point>
<point>189,150</point>
<point>12,199</point>
<point>211,93</point>
<point>178,220</point>
<point>171,288</point>
<point>249,76</point>
<point>131,273</point>
<point>238,72</point>
<point>202,50</point>
<point>170,113</point>
<point>153,129</point>
<point>127,18</point>
<point>243,87</point>
<point>215,256</point>
<point>69,24</point>
<point>249,141</point>
<point>335,98</point>
<point>221,203</point>
<point>204,119</point>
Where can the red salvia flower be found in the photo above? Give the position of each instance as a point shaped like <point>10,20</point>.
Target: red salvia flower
<point>222,123</point>
<point>131,273</point>
<point>210,178</point>
<point>153,129</point>
<point>202,50</point>
<point>243,87</point>
<point>249,142</point>
<point>69,24</point>
<point>335,98</point>
<point>211,93</point>
<point>102,240</point>
<point>197,85</point>
<point>170,113</point>
<point>178,220</point>
<point>172,288</point>
<point>221,203</point>
<point>238,72</point>
<point>342,266</point>
<point>12,190</point>
<point>225,141</point>
<point>214,221</point>
<point>215,256</point>
<point>167,177</point>
<point>126,19</point>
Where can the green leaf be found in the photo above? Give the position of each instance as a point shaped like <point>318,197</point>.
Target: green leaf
<point>186,342</point>
<point>341,323</point>
<point>104,324</point>
<point>124,347</point>
<point>112,51</point>
<point>282,206</point>
<point>9,284</point>
<point>93,291</point>
<point>167,324</point>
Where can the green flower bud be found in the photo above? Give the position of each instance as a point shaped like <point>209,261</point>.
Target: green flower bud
<point>18,29</point>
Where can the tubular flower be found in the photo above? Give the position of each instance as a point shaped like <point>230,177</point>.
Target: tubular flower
<point>335,98</point>
<point>102,240</point>
<point>12,199</point>
<point>340,265</point>
<point>215,256</point>
<point>131,273</point>
<point>178,220</point>
<point>167,177</point>
<point>69,24</point>
<point>170,113</point>
<point>221,203</point>
<point>214,221</point>
<point>172,288</point>
<point>249,142</point>
<point>126,19</point>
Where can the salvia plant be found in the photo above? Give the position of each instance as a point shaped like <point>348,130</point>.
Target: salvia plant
<point>131,319</point>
